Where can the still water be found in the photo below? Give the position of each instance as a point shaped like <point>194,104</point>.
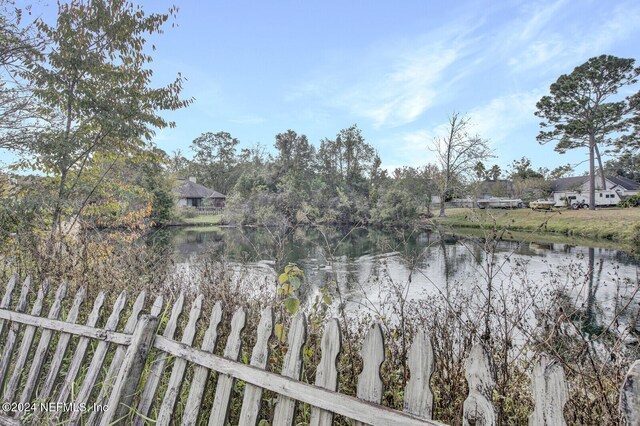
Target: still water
<point>367,264</point>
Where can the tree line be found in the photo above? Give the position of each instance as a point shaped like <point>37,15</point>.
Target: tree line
<point>78,108</point>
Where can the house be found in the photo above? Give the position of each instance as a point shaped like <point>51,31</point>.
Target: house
<point>496,188</point>
<point>192,194</point>
<point>576,188</point>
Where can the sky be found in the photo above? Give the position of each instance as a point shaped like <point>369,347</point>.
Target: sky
<point>397,69</point>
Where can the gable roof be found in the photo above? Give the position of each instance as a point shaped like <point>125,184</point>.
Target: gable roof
<point>188,189</point>
<point>624,182</point>
<point>568,183</point>
<point>574,182</point>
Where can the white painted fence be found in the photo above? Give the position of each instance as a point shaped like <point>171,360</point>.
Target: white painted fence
<point>36,375</point>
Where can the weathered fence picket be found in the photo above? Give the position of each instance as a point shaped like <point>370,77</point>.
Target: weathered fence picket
<point>153,379</point>
<point>327,372</point>
<point>25,346</point>
<point>478,408</point>
<point>418,397</point>
<point>200,373</point>
<point>43,346</point>
<point>61,348</point>
<point>222,397</point>
<point>14,328</point>
<point>259,356</point>
<point>291,367</point>
<point>179,366</point>
<point>370,386</point>
<point>550,393</point>
<point>118,387</point>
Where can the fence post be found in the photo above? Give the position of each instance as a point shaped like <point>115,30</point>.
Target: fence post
<point>630,395</point>
<point>125,386</point>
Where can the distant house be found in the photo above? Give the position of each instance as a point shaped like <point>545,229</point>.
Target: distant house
<point>576,188</point>
<point>496,188</point>
<point>192,194</point>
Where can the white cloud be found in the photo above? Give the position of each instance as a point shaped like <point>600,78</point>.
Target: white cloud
<point>556,37</point>
<point>503,115</point>
<point>392,84</point>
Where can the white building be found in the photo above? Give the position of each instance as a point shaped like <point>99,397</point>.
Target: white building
<point>575,189</point>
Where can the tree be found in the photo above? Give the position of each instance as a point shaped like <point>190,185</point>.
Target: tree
<point>296,157</point>
<point>457,154</point>
<point>19,46</point>
<point>579,114</point>
<point>521,169</point>
<point>94,90</point>
<point>627,165</point>
<point>495,172</point>
<point>215,160</point>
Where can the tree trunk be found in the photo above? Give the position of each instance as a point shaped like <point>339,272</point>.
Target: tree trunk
<point>592,172</point>
<point>600,168</point>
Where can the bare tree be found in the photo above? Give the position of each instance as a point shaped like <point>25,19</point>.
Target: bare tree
<point>457,154</point>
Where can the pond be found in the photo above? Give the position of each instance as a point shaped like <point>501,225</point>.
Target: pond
<point>369,264</point>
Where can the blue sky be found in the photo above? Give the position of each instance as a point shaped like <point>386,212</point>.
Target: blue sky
<point>397,69</point>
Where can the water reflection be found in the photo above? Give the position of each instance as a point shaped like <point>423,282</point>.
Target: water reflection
<point>359,259</point>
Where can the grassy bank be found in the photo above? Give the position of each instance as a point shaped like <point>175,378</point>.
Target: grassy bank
<point>215,219</point>
<point>613,224</point>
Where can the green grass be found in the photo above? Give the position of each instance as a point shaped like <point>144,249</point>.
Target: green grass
<point>215,219</point>
<point>613,224</point>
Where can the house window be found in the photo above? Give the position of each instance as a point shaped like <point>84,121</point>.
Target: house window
<point>601,195</point>
<point>194,202</point>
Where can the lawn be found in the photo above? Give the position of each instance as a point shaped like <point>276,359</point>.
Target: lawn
<point>215,219</point>
<point>615,224</point>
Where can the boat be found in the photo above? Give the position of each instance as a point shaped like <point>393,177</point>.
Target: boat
<point>541,205</point>
<point>500,203</point>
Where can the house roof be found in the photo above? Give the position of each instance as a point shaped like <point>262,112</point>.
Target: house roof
<point>188,189</point>
<point>626,183</point>
<point>569,183</point>
<point>489,184</point>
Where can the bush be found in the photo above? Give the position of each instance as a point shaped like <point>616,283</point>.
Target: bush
<point>632,201</point>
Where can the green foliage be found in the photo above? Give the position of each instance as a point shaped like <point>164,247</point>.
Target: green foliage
<point>582,111</point>
<point>395,207</point>
<point>93,86</point>
<point>631,201</point>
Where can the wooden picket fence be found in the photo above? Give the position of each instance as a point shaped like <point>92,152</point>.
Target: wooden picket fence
<point>43,386</point>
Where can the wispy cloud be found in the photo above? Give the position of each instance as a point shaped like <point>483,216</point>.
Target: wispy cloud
<point>394,83</point>
<point>553,37</point>
<point>497,119</point>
